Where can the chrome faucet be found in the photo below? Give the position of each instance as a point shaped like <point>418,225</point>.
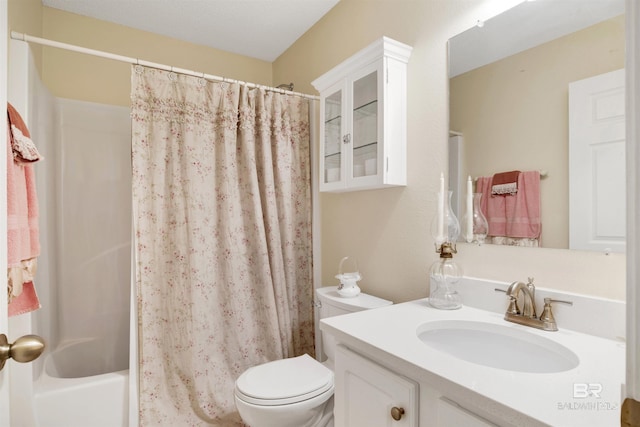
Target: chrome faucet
<point>527,316</point>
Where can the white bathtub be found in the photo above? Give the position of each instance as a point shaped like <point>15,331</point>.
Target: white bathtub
<point>74,393</point>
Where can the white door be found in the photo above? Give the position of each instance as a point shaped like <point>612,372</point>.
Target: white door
<point>597,189</point>
<point>4,374</point>
<point>14,407</point>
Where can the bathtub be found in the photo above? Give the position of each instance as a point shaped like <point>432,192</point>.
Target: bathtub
<point>71,392</point>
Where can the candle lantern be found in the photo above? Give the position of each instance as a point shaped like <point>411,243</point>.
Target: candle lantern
<point>475,223</point>
<point>445,272</point>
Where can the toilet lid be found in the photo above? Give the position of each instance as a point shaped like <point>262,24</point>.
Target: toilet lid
<point>284,381</point>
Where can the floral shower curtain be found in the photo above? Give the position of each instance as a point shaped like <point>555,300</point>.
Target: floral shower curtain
<point>221,188</point>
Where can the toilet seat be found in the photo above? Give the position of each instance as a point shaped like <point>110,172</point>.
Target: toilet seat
<point>283,382</point>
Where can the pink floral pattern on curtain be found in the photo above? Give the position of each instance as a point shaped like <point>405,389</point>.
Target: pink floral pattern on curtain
<point>222,212</point>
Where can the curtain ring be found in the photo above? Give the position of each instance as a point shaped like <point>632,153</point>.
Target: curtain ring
<point>139,69</point>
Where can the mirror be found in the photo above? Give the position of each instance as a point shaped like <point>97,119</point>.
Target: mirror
<point>509,79</point>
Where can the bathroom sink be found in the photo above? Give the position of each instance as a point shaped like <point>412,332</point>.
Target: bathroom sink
<point>497,346</point>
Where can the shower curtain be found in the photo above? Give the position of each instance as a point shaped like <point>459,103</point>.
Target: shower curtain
<point>222,218</point>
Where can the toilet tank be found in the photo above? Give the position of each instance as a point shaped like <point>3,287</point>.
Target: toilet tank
<point>332,304</point>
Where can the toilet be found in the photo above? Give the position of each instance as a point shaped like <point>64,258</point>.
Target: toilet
<point>298,391</point>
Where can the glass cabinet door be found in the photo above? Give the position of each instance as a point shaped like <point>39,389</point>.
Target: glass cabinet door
<point>333,137</point>
<point>365,126</point>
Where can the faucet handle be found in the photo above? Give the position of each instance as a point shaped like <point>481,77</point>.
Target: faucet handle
<point>550,300</point>
<point>549,321</point>
<point>513,305</point>
<point>513,302</point>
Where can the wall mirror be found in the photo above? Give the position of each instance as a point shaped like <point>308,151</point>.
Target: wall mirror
<point>509,107</point>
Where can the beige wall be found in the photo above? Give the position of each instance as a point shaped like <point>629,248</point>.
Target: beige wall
<point>388,230</point>
<point>26,16</point>
<point>83,77</point>
<point>77,76</point>
<point>514,113</point>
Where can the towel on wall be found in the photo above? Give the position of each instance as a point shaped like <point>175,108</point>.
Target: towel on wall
<point>22,147</point>
<point>505,183</point>
<point>26,302</point>
<point>23,240</point>
<point>513,215</point>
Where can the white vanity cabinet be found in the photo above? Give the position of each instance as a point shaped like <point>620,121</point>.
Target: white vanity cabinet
<point>370,395</point>
<point>383,362</point>
<point>363,119</point>
<point>450,414</point>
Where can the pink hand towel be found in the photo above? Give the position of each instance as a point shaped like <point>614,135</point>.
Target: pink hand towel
<point>23,148</point>
<point>23,240</point>
<point>22,211</point>
<point>513,215</point>
<point>26,302</point>
<point>523,209</point>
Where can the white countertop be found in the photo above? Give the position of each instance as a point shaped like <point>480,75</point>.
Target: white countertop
<point>388,335</point>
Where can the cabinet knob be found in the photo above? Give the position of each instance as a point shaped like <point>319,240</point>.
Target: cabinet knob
<point>397,413</point>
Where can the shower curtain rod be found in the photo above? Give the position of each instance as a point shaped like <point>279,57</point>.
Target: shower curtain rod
<point>52,43</point>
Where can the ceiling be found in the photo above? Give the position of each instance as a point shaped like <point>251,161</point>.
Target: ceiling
<point>261,29</point>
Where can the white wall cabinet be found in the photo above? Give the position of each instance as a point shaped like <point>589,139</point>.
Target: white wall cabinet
<point>363,119</point>
<point>367,394</point>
